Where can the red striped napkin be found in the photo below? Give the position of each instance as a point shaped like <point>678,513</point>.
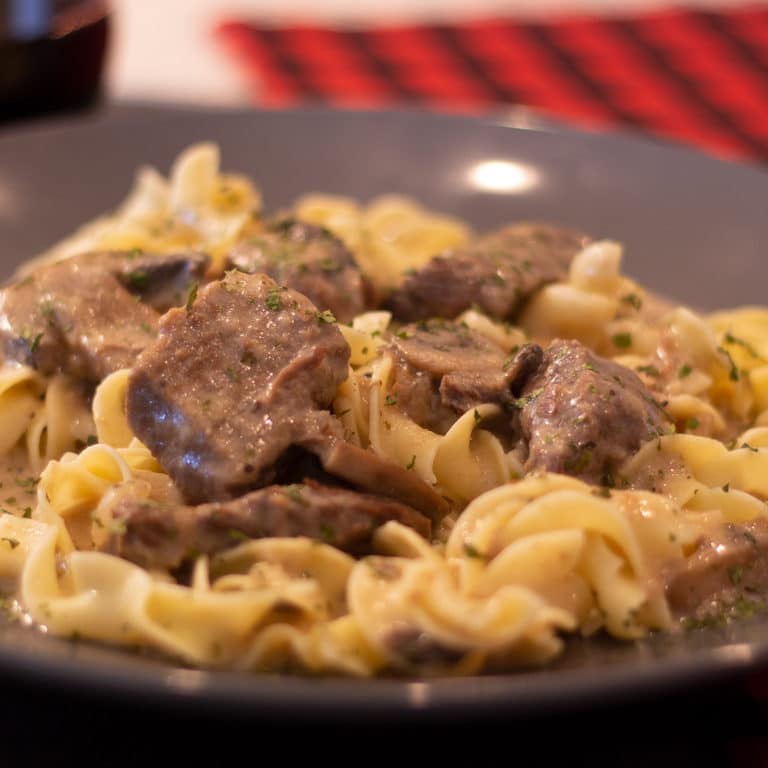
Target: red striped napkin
<point>696,76</point>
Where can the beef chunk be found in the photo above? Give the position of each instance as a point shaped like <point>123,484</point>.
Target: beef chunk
<point>234,380</point>
<point>443,368</point>
<point>497,273</point>
<point>583,415</point>
<point>244,375</point>
<point>726,575</point>
<point>308,259</point>
<point>157,536</point>
<point>73,317</point>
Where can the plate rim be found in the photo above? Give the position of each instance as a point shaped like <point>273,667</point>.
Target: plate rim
<point>175,685</point>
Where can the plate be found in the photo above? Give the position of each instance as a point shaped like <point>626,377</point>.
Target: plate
<point>694,228</point>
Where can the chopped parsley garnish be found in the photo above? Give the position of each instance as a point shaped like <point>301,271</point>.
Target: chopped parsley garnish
<point>412,463</point>
<point>692,423</point>
<point>733,374</point>
<point>237,535</point>
<point>471,551</point>
<point>622,340</point>
<point>685,371</point>
<point>633,300</point>
<point>294,493</point>
<point>138,279</point>
<point>34,342</point>
<point>327,533</point>
<point>326,316</point>
<point>590,366</point>
<point>47,309</point>
<point>649,370</point>
<point>191,296</point>
<point>731,339</point>
<point>390,400</point>
<point>581,458</point>
<point>274,301</point>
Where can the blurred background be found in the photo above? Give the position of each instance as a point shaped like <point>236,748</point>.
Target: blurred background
<point>694,71</point>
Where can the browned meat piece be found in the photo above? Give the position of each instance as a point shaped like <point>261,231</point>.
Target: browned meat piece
<point>239,378</point>
<point>308,259</point>
<point>75,318</point>
<point>162,280</point>
<point>725,576</point>
<point>583,415</point>
<point>497,273</point>
<point>156,536</point>
<point>233,381</point>
<point>443,368</point>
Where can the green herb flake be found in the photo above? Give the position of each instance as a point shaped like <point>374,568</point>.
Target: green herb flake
<point>633,300</point>
<point>731,339</point>
<point>581,459</point>
<point>471,551</point>
<point>622,340</point>
<point>293,492</point>
<point>649,370</point>
<point>274,301</point>
<point>590,366</point>
<point>692,423</point>
<point>191,296</point>
<point>138,279</point>
<point>47,310</point>
<point>34,343</point>
<point>685,371</point>
<point>478,417</point>
<point>733,374</point>
<point>237,535</point>
<point>327,534</point>
<point>117,527</point>
<point>390,400</point>
<point>735,575</point>
<point>412,463</point>
<point>326,316</point>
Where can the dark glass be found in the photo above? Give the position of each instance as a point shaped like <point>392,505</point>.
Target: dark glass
<point>51,55</point>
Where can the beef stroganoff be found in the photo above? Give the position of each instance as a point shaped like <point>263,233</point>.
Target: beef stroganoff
<point>362,439</point>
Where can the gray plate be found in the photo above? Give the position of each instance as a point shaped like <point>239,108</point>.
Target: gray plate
<point>694,228</point>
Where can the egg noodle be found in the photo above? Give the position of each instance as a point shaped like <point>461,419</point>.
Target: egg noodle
<point>527,560</point>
